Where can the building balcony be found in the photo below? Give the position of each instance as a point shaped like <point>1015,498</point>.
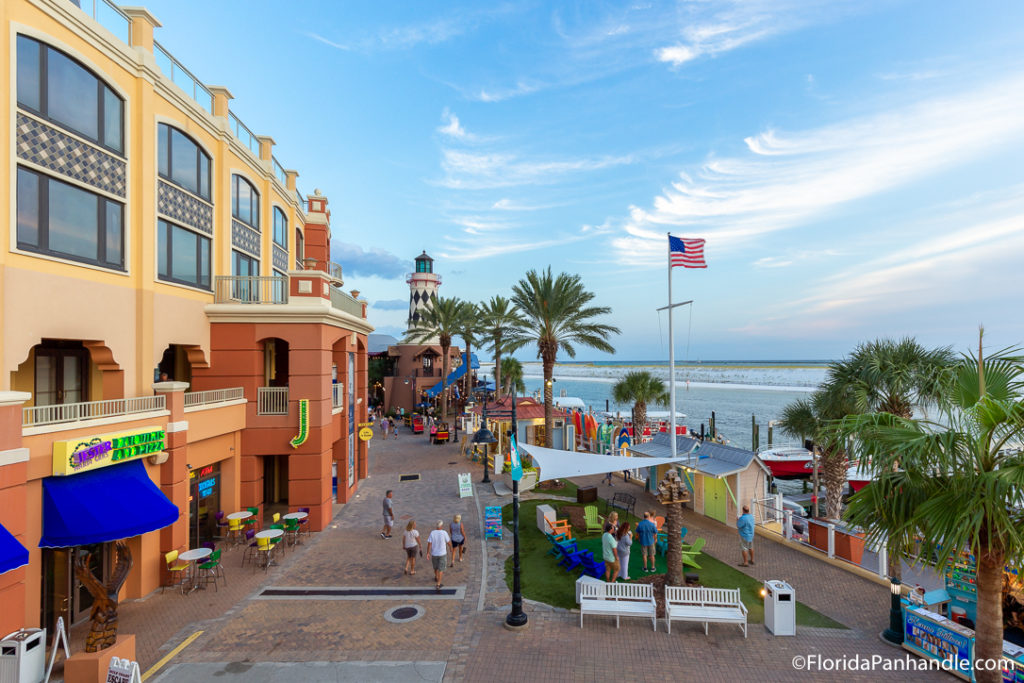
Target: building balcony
<point>333,270</point>
<point>272,401</point>
<point>250,289</point>
<point>201,399</point>
<point>337,395</point>
<point>63,413</point>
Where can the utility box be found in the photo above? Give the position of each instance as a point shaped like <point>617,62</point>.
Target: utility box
<point>779,608</point>
<point>23,656</point>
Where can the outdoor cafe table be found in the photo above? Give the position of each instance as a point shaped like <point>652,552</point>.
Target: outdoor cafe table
<point>193,557</point>
<point>244,514</point>
<point>271,534</point>
<point>296,516</point>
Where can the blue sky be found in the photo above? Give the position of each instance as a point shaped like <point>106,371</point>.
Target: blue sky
<point>854,167</point>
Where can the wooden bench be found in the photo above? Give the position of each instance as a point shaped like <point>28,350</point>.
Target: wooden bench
<point>623,501</point>
<point>618,600</point>
<point>721,605</point>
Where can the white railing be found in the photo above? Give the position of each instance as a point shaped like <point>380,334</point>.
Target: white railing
<point>272,401</point>
<point>182,77</point>
<point>338,395</point>
<point>109,17</point>
<point>205,398</point>
<point>243,133</point>
<point>251,289</point>
<point>90,410</point>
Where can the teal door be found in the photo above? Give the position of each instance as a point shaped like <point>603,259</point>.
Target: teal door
<point>714,498</point>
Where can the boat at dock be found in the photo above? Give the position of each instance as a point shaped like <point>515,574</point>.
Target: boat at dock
<point>787,462</point>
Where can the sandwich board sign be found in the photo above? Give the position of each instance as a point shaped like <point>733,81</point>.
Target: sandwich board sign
<point>123,671</point>
<point>465,486</point>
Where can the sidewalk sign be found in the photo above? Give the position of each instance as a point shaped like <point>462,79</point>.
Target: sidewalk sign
<point>516,461</point>
<point>465,486</point>
<point>365,433</point>
<point>123,671</point>
<point>60,638</point>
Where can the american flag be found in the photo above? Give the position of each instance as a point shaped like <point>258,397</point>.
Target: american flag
<point>686,253</point>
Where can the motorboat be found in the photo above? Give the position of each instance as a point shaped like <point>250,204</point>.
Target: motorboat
<point>858,476</point>
<point>787,462</point>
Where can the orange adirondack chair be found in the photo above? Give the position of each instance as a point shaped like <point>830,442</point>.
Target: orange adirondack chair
<point>559,526</point>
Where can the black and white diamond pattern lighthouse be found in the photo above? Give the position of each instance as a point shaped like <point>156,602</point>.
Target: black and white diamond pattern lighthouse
<point>422,285</point>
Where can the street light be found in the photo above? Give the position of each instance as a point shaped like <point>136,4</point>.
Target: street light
<point>517,617</point>
<point>894,634</point>
<point>486,437</point>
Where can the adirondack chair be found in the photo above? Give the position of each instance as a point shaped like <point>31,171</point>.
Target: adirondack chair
<point>592,567</point>
<point>659,522</point>
<point>558,542</point>
<point>694,551</point>
<point>593,520</point>
<point>559,526</point>
<point>571,559</point>
<point>663,540</point>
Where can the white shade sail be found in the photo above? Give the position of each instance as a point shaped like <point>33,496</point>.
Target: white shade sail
<point>556,464</point>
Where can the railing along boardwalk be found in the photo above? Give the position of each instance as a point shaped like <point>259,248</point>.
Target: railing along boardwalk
<point>204,398</point>
<point>250,289</point>
<point>38,416</point>
<point>272,401</point>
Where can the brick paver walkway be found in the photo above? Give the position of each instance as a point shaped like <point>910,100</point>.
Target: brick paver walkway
<point>467,635</point>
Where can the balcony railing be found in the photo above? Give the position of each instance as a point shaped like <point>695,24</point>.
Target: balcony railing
<point>344,302</point>
<point>90,410</point>
<point>250,289</point>
<point>109,17</point>
<point>279,172</point>
<point>302,200</point>
<point>183,78</point>
<point>243,133</point>
<point>204,398</point>
<point>329,267</point>
<point>337,395</point>
<point>272,401</point>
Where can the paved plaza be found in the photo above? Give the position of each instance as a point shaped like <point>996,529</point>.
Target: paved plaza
<point>246,635</point>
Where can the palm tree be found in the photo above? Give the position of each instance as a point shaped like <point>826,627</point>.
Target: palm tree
<point>469,329</point>
<point>558,317</point>
<point>955,483</point>
<point>640,388</point>
<point>439,321</point>
<point>511,375</point>
<point>501,324</point>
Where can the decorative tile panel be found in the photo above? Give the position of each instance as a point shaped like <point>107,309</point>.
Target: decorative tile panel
<point>280,259</point>
<point>245,238</point>
<point>45,146</point>
<point>183,208</point>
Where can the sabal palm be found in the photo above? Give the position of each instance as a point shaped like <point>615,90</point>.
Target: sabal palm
<point>440,320</point>
<point>953,483</point>
<point>511,376</point>
<point>501,323</point>
<point>640,388</point>
<point>469,329</point>
<point>558,317</point>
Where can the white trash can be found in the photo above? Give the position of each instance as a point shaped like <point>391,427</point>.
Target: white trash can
<point>779,608</point>
<point>23,656</point>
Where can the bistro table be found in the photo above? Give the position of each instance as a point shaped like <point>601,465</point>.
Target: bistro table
<point>240,516</point>
<point>271,534</point>
<point>296,516</point>
<point>193,557</point>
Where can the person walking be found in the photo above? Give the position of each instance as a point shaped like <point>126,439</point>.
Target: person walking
<point>647,534</point>
<point>439,546</point>
<point>625,537</point>
<point>610,553</point>
<point>389,515</point>
<point>608,479</point>
<point>411,542</point>
<point>384,427</point>
<point>458,534</point>
<point>745,526</point>
<point>395,424</point>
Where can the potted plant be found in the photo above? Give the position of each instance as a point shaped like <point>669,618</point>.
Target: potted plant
<point>528,481</point>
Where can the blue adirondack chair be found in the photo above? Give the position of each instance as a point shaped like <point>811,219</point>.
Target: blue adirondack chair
<point>663,540</point>
<point>592,567</point>
<point>571,559</point>
<point>558,542</point>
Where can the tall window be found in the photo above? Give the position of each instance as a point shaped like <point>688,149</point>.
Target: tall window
<point>299,249</point>
<point>183,256</point>
<point>65,220</point>
<point>61,373</point>
<point>280,228</point>
<point>245,266</point>
<point>59,89</point>
<point>182,161</point>
<point>245,201</point>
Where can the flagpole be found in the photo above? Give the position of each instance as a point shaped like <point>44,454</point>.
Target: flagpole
<point>671,356</point>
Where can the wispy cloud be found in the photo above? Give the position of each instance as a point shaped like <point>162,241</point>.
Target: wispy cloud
<point>391,304</point>
<point>371,262</point>
<point>789,178</point>
<point>461,251</point>
<point>452,127</point>
<point>475,171</point>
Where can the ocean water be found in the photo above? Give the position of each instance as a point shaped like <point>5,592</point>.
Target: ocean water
<point>734,390</point>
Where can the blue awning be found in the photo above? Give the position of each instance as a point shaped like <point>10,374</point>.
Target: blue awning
<point>12,553</point>
<point>103,505</point>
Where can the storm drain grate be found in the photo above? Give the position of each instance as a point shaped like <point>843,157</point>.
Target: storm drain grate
<point>404,613</point>
<point>360,593</point>
<point>409,477</point>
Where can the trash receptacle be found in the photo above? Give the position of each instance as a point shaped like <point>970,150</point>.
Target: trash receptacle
<point>779,608</point>
<point>23,656</point>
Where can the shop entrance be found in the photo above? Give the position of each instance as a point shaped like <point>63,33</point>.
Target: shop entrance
<point>204,502</point>
<point>714,498</point>
<point>63,594</point>
<point>275,484</point>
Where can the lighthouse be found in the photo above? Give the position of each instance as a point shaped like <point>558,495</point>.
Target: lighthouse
<point>423,284</point>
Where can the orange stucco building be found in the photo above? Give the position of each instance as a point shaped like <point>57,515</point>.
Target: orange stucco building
<point>173,335</point>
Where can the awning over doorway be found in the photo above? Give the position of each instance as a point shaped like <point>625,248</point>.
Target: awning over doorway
<point>12,553</point>
<point>103,505</point>
<point>557,464</point>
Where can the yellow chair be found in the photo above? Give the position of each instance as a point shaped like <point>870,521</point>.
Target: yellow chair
<point>178,570</point>
<point>277,518</point>
<point>235,529</point>
<point>263,549</point>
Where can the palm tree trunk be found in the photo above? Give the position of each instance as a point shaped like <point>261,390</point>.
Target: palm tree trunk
<point>469,374</point>
<point>444,383</point>
<point>497,366</point>
<point>988,641</point>
<point>640,420</point>
<point>834,473</point>
<point>674,556</point>
<point>549,367</point>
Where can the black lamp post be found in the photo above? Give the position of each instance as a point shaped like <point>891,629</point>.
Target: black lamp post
<point>894,634</point>
<point>485,437</point>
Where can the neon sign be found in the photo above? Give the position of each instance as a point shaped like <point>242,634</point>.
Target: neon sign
<point>80,455</point>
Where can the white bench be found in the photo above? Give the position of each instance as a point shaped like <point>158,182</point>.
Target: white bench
<point>618,600</point>
<point>721,605</point>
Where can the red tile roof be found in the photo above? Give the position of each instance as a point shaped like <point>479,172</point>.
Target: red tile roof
<point>526,408</point>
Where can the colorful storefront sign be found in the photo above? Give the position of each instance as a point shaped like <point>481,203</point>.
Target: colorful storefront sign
<point>73,456</point>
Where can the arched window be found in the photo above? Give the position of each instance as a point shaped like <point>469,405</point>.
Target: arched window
<point>182,161</point>
<point>245,201</point>
<point>280,228</point>
<point>59,89</point>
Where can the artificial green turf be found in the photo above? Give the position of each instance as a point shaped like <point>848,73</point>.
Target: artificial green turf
<point>568,491</point>
<point>543,580</point>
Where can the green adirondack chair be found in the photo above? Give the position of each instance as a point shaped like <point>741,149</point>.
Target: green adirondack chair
<point>592,519</point>
<point>694,551</point>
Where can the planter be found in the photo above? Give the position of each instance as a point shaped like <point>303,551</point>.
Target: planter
<point>528,481</point>
<point>818,534</point>
<point>849,545</point>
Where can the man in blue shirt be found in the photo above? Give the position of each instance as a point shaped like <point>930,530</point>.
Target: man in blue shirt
<point>745,525</point>
<point>647,534</point>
